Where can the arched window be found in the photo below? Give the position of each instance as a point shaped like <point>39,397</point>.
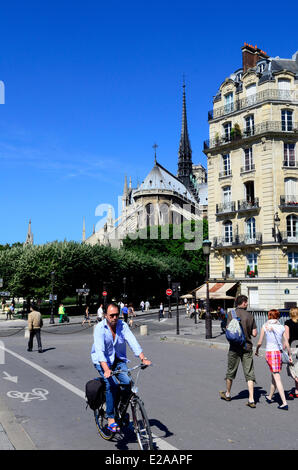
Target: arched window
<point>228,232</point>
<point>163,214</point>
<point>150,214</point>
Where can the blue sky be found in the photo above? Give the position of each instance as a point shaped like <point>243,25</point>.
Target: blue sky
<point>91,86</point>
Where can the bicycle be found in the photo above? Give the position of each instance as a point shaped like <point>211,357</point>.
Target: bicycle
<point>139,416</point>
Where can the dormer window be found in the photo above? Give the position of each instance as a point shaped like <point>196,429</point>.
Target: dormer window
<point>261,67</point>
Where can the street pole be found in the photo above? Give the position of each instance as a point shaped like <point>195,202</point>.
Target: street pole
<point>169,285</point>
<point>52,306</point>
<point>208,320</point>
<point>176,288</point>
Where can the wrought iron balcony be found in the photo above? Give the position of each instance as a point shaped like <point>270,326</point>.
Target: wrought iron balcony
<point>228,275</point>
<point>237,240</point>
<point>290,164</point>
<point>225,173</point>
<point>260,97</point>
<point>288,237</point>
<point>226,208</point>
<point>258,129</point>
<point>289,202</point>
<point>247,168</point>
<point>244,205</point>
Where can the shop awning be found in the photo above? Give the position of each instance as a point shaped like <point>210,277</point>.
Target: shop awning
<point>217,290</point>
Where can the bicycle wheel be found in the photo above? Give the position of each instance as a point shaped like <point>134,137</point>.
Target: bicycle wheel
<point>101,421</point>
<point>141,425</point>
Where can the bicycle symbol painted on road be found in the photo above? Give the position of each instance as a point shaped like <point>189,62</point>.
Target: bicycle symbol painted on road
<point>36,394</point>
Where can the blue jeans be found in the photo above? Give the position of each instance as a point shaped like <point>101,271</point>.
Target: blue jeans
<point>112,386</point>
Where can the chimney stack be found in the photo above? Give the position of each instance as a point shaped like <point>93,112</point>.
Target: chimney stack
<point>251,55</point>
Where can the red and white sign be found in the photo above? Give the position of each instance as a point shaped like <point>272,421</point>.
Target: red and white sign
<point>169,292</point>
<point>104,293</point>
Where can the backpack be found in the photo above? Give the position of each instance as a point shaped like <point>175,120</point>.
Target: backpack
<point>234,332</point>
<point>94,391</point>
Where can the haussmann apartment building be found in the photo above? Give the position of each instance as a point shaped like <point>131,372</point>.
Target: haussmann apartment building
<point>252,155</point>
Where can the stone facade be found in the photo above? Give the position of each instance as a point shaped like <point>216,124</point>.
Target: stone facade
<point>252,156</point>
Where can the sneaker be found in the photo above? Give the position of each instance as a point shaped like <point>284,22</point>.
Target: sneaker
<point>251,404</point>
<point>223,396</point>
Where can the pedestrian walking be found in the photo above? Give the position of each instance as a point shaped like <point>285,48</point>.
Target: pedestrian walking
<point>275,335</point>
<point>35,324</point>
<point>291,331</point>
<point>9,311</point>
<point>161,308</point>
<point>142,305</point>
<point>100,313</point>
<point>125,313</point>
<point>147,305</point>
<point>131,314</point>
<point>241,353</point>
<point>3,303</point>
<point>87,317</point>
<point>187,307</point>
<point>192,310</point>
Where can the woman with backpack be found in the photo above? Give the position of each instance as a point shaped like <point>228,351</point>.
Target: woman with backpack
<point>274,332</point>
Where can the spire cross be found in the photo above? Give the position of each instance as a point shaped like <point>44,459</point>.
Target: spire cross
<point>154,147</point>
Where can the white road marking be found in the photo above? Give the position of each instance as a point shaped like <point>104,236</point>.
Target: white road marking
<point>160,443</point>
<point>10,377</point>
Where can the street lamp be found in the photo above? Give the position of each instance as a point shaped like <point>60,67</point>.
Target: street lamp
<point>169,285</point>
<point>52,290</point>
<point>176,288</point>
<point>208,320</point>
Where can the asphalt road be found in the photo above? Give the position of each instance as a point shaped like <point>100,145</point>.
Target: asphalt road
<point>45,393</point>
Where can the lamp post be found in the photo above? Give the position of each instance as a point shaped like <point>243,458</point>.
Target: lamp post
<point>208,320</point>
<point>169,285</point>
<point>52,291</point>
<point>176,288</point>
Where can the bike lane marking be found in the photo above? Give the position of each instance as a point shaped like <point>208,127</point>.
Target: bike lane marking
<point>163,445</point>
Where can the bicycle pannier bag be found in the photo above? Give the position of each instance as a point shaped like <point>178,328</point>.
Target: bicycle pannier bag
<point>94,391</point>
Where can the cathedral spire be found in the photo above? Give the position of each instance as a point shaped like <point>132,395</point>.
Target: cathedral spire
<point>29,238</point>
<point>185,153</point>
<point>84,231</point>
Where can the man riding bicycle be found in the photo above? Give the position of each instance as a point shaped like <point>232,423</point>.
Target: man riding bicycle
<point>109,353</point>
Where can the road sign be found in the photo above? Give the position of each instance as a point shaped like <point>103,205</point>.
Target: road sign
<point>104,293</point>
<point>83,291</point>
<point>4,294</point>
<point>169,292</point>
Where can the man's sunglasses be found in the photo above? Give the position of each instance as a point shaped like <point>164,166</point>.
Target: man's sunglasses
<point>112,315</point>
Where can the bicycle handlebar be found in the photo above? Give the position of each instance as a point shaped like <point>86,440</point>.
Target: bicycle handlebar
<point>139,366</point>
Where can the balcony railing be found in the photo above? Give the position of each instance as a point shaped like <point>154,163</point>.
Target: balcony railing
<point>288,237</point>
<point>235,239</point>
<point>226,208</point>
<point>290,164</point>
<point>228,275</point>
<point>260,97</point>
<point>245,205</point>
<point>289,201</point>
<point>247,168</point>
<point>261,128</point>
<point>225,173</point>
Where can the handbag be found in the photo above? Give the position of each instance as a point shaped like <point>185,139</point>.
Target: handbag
<point>284,355</point>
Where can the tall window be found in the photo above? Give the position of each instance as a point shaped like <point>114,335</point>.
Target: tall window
<point>289,154</point>
<point>252,261</point>
<point>284,87</point>
<point>292,227</point>
<point>250,235</point>
<point>251,94</point>
<point>250,125</point>
<point>229,105</point>
<point>291,190</point>
<point>286,120</point>
<point>228,232</point>
<point>227,131</point>
<point>248,160</point>
<point>293,261</point>
<point>226,197</point>
<point>249,191</point>
<point>149,214</point>
<point>226,164</point>
<point>229,265</point>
